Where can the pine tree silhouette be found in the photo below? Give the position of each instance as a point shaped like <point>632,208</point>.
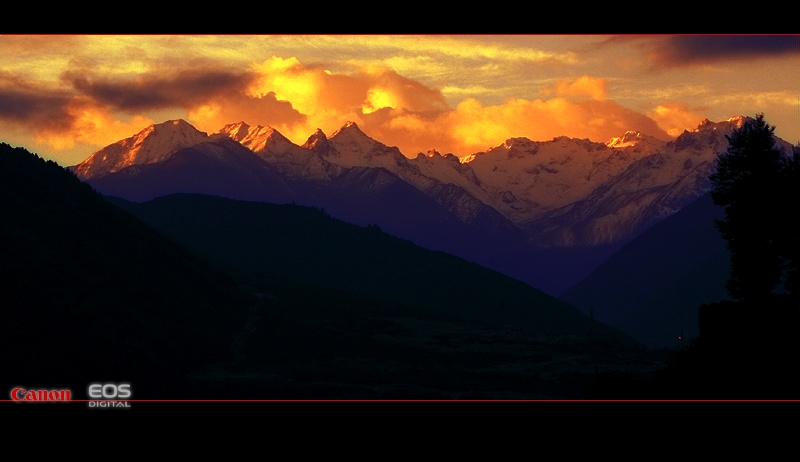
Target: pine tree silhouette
<point>750,183</point>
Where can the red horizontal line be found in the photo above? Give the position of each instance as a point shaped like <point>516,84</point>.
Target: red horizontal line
<point>407,401</point>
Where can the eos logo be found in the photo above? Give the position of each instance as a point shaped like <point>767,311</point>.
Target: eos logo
<point>108,394</point>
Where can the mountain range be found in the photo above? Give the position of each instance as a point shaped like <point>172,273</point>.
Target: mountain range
<point>544,212</point>
<point>554,214</point>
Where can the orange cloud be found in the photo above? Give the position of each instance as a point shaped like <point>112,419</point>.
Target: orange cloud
<point>289,81</point>
<point>390,89</point>
<point>296,99</point>
<point>473,127</point>
<point>674,118</point>
<point>255,110</point>
<point>411,132</point>
<point>404,113</point>
<point>582,86</point>
<point>90,124</point>
<point>480,127</point>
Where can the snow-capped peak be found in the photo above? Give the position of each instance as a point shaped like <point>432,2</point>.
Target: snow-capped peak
<point>630,138</point>
<point>153,144</point>
<point>258,139</point>
<point>352,135</point>
<point>518,142</point>
<point>431,153</point>
<point>177,129</point>
<point>350,142</point>
<point>316,140</point>
<point>732,122</point>
<point>237,131</point>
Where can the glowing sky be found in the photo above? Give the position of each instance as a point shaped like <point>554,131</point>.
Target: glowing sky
<point>66,96</point>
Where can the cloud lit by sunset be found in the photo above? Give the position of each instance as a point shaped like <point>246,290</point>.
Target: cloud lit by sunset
<point>458,94</point>
<point>90,125</point>
<point>674,118</point>
<point>296,100</point>
<point>585,85</point>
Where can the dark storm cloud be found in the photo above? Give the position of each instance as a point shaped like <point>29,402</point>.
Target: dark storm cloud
<point>184,88</point>
<point>23,103</point>
<point>694,49</point>
<point>691,50</point>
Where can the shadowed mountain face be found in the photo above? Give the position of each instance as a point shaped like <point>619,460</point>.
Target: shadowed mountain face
<point>89,293</point>
<point>653,286</point>
<point>376,196</point>
<point>222,167</point>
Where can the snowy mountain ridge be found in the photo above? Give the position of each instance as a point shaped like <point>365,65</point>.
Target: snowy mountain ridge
<point>154,144</point>
<point>561,192</point>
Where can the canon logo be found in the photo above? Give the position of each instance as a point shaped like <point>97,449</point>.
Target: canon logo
<point>21,394</point>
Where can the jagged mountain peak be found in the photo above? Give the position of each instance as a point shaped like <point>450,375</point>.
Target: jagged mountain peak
<point>242,130</point>
<point>351,124</point>
<point>707,127</point>
<point>316,141</point>
<point>636,142</point>
<point>354,147</point>
<point>629,138</point>
<point>517,142</point>
<point>258,139</point>
<point>707,134</point>
<point>153,144</point>
<point>435,155</point>
<point>351,131</point>
<point>237,131</point>
<point>174,126</point>
<point>432,153</point>
<point>732,122</point>
<point>521,147</point>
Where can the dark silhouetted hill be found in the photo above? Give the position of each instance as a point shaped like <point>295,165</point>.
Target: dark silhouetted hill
<point>89,293</point>
<point>308,246</point>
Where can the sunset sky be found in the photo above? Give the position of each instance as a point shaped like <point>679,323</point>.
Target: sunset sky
<point>66,96</point>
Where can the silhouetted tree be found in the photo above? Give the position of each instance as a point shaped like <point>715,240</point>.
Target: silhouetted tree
<point>751,183</point>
